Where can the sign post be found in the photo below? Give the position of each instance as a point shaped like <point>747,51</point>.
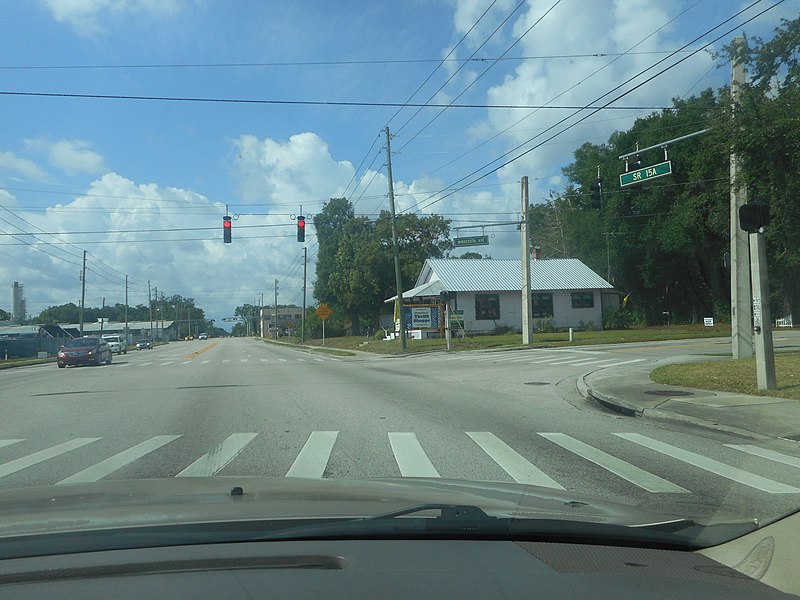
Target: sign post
<point>323,312</point>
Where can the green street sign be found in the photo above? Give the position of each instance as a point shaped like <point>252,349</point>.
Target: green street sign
<point>475,240</point>
<point>640,175</point>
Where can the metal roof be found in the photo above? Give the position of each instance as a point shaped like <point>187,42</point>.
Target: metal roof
<point>432,288</point>
<point>486,274</point>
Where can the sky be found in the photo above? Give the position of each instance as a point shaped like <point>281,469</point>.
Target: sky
<point>130,127</point>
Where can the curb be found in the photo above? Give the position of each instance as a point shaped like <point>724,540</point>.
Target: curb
<point>606,400</point>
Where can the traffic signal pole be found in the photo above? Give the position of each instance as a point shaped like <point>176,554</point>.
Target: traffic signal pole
<point>398,279</point>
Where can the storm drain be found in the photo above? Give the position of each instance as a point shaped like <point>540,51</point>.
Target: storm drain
<point>669,393</point>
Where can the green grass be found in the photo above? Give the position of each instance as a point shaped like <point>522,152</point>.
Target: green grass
<point>513,340</point>
<point>738,376</point>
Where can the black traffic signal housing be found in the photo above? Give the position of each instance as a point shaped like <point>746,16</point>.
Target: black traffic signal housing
<point>596,188</point>
<point>754,217</point>
<point>301,228</point>
<point>226,229</point>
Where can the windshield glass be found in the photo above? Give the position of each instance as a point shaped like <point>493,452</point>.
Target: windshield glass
<point>548,247</point>
<point>77,343</point>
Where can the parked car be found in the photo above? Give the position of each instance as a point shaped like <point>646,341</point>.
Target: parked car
<point>84,351</point>
<point>144,345</point>
<point>117,342</point>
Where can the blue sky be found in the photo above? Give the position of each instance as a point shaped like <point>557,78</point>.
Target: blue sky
<point>126,169</point>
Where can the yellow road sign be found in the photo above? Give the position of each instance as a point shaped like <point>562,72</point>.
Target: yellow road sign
<point>324,311</point>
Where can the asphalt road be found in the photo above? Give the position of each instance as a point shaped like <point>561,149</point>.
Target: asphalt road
<point>245,407</point>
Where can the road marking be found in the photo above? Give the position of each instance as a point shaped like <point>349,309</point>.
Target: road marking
<point>225,360</point>
<point>145,364</point>
<point>282,360</point>
<point>510,461</point>
<point>211,463</point>
<point>313,458</point>
<point>629,472</point>
<point>4,443</point>
<point>113,463</point>
<point>319,360</point>
<point>410,457</point>
<point>244,360</point>
<point>626,362</point>
<point>301,360</point>
<point>594,361</point>
<point>713,466</point>
<point>169,362</point>
<point>204,362</point>
<point>792,461</point>
<point>264,360</point>
<point>186,362</point>
<point>43,455</point>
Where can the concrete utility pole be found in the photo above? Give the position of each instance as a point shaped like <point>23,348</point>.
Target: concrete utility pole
<point>150,304</point>
<point>102,318</point>
<point>398,279</point>
<point>741,315</point>
<point>127,339</point>
<point>83,289</point>
<point>276,309</point>
<point>762,319</point>
<point>527,304</point>
<point>303,317</point>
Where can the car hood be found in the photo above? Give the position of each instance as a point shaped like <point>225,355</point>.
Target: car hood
<point>178,501</point>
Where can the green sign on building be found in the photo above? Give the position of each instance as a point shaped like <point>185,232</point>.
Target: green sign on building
<point>640,175</point>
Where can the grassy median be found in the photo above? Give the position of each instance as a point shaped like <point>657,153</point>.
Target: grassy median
<point>738,376</point>
<point>514,340</point>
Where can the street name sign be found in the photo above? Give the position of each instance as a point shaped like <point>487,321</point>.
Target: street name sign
<point>646,173</point>
<point>475,240</point>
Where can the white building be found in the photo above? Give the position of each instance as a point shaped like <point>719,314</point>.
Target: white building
<point>565,292</point>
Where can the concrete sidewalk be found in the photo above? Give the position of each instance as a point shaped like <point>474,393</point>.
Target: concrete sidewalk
<point>630,391</point>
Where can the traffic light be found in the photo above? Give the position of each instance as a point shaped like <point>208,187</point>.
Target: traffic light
<point>226,229</point>
<point>301,228</point>
<point>753,217</point>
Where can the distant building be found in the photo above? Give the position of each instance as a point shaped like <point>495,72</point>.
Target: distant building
<point>289,319</point>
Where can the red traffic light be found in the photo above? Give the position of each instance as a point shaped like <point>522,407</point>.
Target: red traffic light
<point>301,228</point>
<point>226,229</point>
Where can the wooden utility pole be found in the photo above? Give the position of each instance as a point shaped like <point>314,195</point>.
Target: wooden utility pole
<point>398,279</point>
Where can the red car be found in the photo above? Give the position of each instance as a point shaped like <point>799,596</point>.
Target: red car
<point>84,351</point>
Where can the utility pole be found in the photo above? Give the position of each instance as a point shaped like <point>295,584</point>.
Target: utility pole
<point>127,340</point>
<point>303,317</point>
<point>102,318</point>
<point>276,309</point>
<point>527,304</point>
<point>398,279</point>
<point>150,304</point>
<point>83,289</point>
<point>762,317</point>
<point>741,310</point>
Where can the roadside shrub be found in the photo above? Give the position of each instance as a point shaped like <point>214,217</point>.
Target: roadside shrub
<point>616,318</point>
<point>546,325</point>
<point>502,329</point>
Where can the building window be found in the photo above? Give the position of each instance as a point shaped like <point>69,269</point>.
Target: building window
<point>582,299</point>
<point>487,306</point>
<point>542,306</point>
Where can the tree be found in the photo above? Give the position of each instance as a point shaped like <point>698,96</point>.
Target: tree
<point>329,224</point>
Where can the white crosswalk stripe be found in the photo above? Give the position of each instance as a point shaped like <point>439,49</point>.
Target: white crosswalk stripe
<point>116,462</point>
<point>214,461</point>
<point>313,458</point>
<point>510,461</point>
<point>410,457</point>
<point>43,455</point>
<point>637,476</point>
<point>793,461</point>
<point>714,466</point>
<point>4,443</point>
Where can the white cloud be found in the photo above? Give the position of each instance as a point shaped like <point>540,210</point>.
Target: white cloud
<point>74,156</point>
<point>297,171</point>
<point>23,167</point>
<point>87,16</point>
